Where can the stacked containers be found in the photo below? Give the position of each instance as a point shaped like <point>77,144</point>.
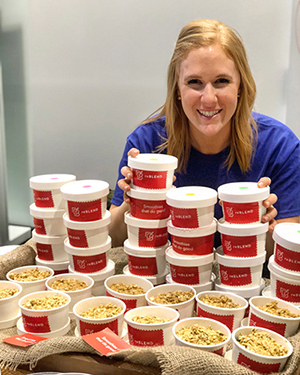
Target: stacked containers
<point>47,212</point>
<point>87,221</point>
<point>284,265</point>
<point>192,228</point>
<point>148,216</point>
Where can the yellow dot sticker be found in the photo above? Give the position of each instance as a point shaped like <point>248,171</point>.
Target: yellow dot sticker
<point>190,194</point>
<point>153,159</point>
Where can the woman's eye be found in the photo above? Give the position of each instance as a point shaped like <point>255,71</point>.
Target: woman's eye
<point>194,82</point>
<point>222,81</point>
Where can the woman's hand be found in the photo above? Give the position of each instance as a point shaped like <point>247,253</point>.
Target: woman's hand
<point>271,213</point>
<point>124,183</point>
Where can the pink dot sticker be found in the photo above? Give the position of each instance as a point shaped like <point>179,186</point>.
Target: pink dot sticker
<point>54,178</point>
<point>86,186</point>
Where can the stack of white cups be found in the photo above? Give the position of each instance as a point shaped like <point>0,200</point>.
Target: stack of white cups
<point>87,220</point>
<point>148,216</point>
<point>47,212</point>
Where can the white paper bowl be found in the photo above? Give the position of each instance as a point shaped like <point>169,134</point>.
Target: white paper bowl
<point>44,321</point>
<point>140,334</point>
<point>58,333</point>
<point>256,362</point>
<point>230,317</point>
<point>86,326</point>
<point>185,309</point>
<point>50,248</point>
<point>204,322</point>
<point>284,326</point>
<point>30,286</point>
<point>57,267</point>
<point>197,287</point>
<point>9,307</point>
<point>76,295</point>
<point>155,279</point>
<point>48,221</point>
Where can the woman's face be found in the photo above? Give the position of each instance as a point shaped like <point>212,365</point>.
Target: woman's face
<point>209,84</point>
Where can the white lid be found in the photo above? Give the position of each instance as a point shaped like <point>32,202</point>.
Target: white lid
<point>188,232</point>
<point>243,292</point>
<point>85,190</point>
<point>143,223</point>
<point>87,251</point>
<point>153,162</point>
<point>191,196</point>
<point>243,192</point>
<point>155,280</point>
<point>44,213</point>
<point>239,262</point>
<point>50,181</point>
<point>273,267</point>
<point>287,235</point>
<point>242,230</point>
<point>52,240</point>
<point>109,270</point>
<point>144,252</point>
<point>84,225</point>
<point>55,266</point>
<point>148,195</point>
<point>187,260</point>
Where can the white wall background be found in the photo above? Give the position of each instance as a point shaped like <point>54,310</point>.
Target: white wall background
<point>79,76</point>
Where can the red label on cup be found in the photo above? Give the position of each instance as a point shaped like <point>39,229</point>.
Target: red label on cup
<point>85,211</point>
<point>77,238</point>
<point>142,266</point>
<point>241,213</point>
<point>228,320</point>
<point>87,328</point>
<point>241,247</point>
<point>43,198</point>
<point>36,324</point>
<point>58,272</point>
<point>149,210</point>
<point>193,245</point>
<point>130,303</point>
<point>185,275</point>
<point>219,351</point>
<point>39,226</point>
<point>139,337</point>
<point>255,320</point>
<point>287,259</point>
<point>89,264</point>
<point>184,217</point>
<point>287,292</point>
<point>44,251</point>
<point>235,275</point>
<point>149,179</point>
<point>262,368</point>
<point>153,237</point>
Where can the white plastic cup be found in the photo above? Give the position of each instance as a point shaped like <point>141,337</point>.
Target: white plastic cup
<point>50,248</point>
<point>190,270</point>
<point>197,287</point>
<point>152,171</point>
<point>86,199</point>
<point>88,233</point>
<point>57,267</point>
<point>48,221</point>
<point>9,307</point>
<point>191,206</point>
<point>242,202</point>
<point>248,240</point>
<point>287,246</point>
<point>188,241</point>
<point>46,190</point>
<point>155,279</point>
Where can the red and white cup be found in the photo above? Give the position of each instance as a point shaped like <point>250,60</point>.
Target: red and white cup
<point>57,267</point>
<point>9,308</point>
<point>87,233</point>
<point>144,261</point>
<point>240,272</point>
<point>86,199</point>
<point>155,280</point>
<point>148,205</point>
<point>50,248</point>
<point>92,259</point>
<point>152,171</point>
<point>197,287</point>
<point>46,190</point>
<point>242,202</point>
<point>48,222</point>
<point>146,233</point>
<point>191,206</point>
<point>287,246</point>
<point>190,270</point>
<point>186,241</point>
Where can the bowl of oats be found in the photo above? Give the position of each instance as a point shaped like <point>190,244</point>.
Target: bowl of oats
<point>260,349</point>
<point>10,293</point>
<point>176,296</point>
<point>44,312</point>
<point>77,286</point>
<point>31,278</point>
<point>202,333</point>
<point>129,289</point>
<point>227,308</point>
<point>274,314</point>
<point>96,313</point>
<point>151,325</point>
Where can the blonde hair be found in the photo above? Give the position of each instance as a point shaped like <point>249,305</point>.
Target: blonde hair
<point>203,33</point>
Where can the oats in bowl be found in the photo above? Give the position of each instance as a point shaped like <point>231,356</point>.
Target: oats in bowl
<point>102,311</point>
<point>68,285</point>
<point>273,308</point>
<point>132,289</point>
<point>199,335</point>
<point>174,297</point>
<point>45,303</point>
<point>220,301</point>
<point>31,274</point>
<point>149,319</point>
<point>6,292</point>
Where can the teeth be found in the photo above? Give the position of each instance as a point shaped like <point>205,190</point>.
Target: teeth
<point>208,114</point>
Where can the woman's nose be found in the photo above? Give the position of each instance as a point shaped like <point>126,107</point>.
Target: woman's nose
<point>209,94</point>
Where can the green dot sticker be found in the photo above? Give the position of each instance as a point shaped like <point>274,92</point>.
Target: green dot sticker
<point>243,187</point>
<point>298,231</point>
<point>153,159</point>
<point>189,194</point>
